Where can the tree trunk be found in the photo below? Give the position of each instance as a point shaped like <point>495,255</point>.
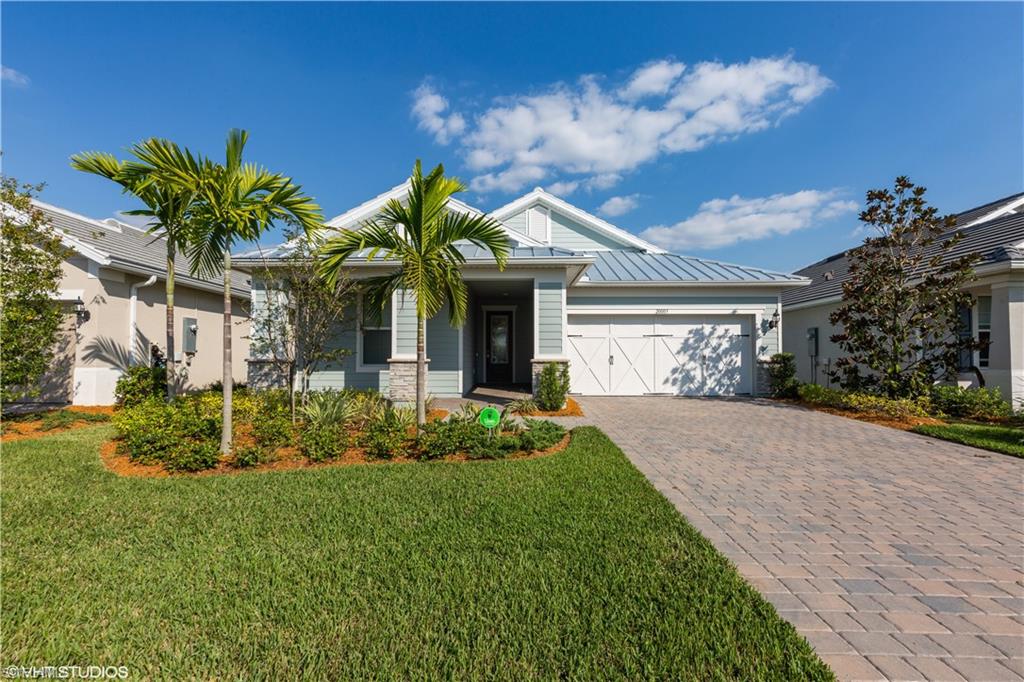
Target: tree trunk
<point>228,378</point>
<point>421,371</point>
<point>171,385</point>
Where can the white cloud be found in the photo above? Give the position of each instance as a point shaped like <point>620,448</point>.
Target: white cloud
<point>617,206</point>
<point>428,109</point>
<point>591,131</point>
<point>653,79</point>
<point>13,77</point>
<point>721,222</point>
<point>564,188</point>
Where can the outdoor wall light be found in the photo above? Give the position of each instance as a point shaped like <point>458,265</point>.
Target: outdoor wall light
<point>81,314</point>
<point>774,322</point>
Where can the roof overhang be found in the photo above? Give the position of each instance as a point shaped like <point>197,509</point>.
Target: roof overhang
<point>775,284</point>
<point>539,196</point>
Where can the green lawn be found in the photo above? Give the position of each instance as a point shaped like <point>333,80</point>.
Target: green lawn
<point>569,566</point>
<point>1008,440</point>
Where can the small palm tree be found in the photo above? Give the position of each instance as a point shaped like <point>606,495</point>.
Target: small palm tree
<point>422,235</point>
<point>235,202</point>
<point>167,208</point>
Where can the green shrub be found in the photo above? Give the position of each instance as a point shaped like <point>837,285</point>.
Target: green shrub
<point>58,419</point>
<point>329,407</point>
<point>553,386</point>
<point>139,383</point>
<point>540,434</point>
<point>522,406</point>
<point>147,430</point>
<point>983,404</point>
<point>192,456</point>
<point>272,430</point>
<point>249,456</point>
<point>441,439</point>
<point>386,434</point>
<point>819,395</point>
<point>198,417</point>
<point>498,446</point>
<point>322,442</point>
<point>782,375</point>
<point>864,402</point>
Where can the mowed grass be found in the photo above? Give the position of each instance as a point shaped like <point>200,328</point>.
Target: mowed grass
<point>1008,440</point>
<point>569,566</point>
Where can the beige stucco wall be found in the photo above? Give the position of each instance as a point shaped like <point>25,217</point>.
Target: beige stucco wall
<point>102,350</point>
<point>795,324</point>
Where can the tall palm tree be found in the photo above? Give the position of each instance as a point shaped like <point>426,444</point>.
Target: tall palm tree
<point>422,235</point>
<point>235,202</point>
<point>167,208</point>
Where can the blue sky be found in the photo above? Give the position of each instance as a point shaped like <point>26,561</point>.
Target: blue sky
<point>743,132</point>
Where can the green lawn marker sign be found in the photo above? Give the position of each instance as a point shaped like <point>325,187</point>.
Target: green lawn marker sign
<point>489,418</point>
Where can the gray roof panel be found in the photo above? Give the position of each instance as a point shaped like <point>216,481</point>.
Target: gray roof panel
<point>637,267</point>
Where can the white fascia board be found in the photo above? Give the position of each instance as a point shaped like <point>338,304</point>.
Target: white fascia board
<point>77,245</point>
<point>352,218</point>
<point>1009,207</point>
<point>550,201</point>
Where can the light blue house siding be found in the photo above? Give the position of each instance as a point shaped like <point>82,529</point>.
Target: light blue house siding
<point>405,324</point>
<point>443,351</point>
<point>550,318</point>
<point>567,233</point>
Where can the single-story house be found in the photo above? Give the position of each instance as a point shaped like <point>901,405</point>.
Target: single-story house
<point>628,317</point>
<point>996,232</point>
<point>113,292</point>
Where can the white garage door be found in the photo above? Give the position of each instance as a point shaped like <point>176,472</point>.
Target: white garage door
<point>651,354</point>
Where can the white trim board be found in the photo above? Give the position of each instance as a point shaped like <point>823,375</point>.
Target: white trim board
<point>550,201</point>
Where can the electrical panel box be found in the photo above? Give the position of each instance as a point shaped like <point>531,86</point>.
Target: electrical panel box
<point>812,342</point>
<point>189,334</point>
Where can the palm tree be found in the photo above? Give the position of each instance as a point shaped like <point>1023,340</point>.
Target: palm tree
<point>235,202</point>
<point>166,205</point>
<point>422,235</point>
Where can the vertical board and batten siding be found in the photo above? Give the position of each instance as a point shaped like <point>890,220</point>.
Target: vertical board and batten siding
<point>404,325</point>
<point>443,351</point>
<point>768,339</point>
<point>550,318</point>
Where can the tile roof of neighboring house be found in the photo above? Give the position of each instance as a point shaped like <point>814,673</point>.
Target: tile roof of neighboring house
<point>998,239</point>
<point>616,267</point>
<point>131,249</point>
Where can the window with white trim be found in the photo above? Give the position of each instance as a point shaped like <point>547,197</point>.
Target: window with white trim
<point>984,328</point>
<point>374,336</point>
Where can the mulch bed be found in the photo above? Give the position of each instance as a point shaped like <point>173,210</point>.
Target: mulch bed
<point>571,409</point>
<point>903,424</point>
<point>21,429</point>
<point>288,458</point>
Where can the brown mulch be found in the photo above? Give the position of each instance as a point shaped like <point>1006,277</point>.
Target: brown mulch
<point>15,429</point>
<point>288,458</point>
<point>903,424</point>
<point>571,409</point>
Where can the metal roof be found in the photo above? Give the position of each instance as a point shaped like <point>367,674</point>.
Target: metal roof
<point>129,248</point>
<point>614,267</point>
<point>998,240</point>
<point>469,251</point>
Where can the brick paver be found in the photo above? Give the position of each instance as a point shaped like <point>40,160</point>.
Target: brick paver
<point>897,556</point>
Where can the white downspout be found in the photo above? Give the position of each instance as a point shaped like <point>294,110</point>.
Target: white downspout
<point>133,328</point>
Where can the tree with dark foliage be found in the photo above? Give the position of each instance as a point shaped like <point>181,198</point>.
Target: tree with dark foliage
<point>901,311</point>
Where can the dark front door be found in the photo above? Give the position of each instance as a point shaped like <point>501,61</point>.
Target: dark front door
<point>499,347</point>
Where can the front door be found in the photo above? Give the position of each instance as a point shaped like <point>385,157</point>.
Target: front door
<point>499,347</point>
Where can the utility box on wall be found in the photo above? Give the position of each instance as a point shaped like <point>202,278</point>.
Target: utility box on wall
<point>812,342</point>
<point>189,334</point>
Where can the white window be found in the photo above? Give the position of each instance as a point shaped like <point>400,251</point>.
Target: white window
<point>373,345</point>
<point>984,328</point>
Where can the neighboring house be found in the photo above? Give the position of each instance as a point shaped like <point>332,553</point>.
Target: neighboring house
<point>996,232</point>
<point>629,318</point>
<point>113,290</point>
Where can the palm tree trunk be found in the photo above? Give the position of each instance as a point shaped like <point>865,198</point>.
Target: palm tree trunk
<point>421,371</point>
<point>171,386</point>
<point>228,378</point>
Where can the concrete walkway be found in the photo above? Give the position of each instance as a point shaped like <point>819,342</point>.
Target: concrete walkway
<point>897,556</point>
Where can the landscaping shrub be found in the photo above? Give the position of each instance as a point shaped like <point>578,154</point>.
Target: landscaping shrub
<point>59,419</point>
<point>782,375</point>
<point>139,383</point>
<point>324,441</point>
<point>553,386</point>
<point>272,429</point>
<point>864,402</point>
<point>147,430</point>
<point>440,439</point>
<point>249,456</point>
<point>384,438</point>
<point>540,434</point>
<point>983,404</point>
<point>523,406</point>
<point>198,417</point>
<point>192,456</point>
<point>329,407</point>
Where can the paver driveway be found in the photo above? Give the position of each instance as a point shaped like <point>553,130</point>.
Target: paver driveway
<point>897,556</point>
